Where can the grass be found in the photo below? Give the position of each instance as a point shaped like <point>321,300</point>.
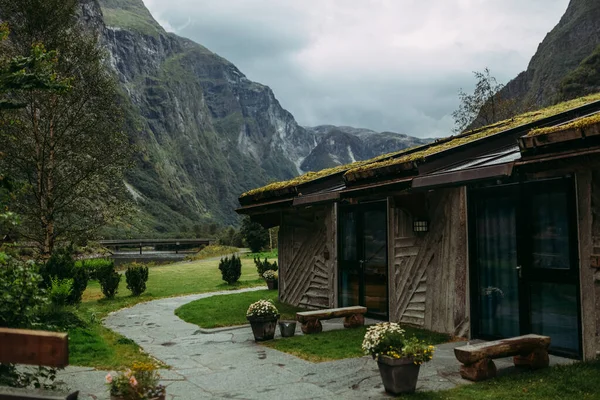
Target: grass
<point>576,381</point>
<point>213,251</point>
<point>263,254</point>
<point>93,345</point>
<point>219,311</point>
<point>339,344</point>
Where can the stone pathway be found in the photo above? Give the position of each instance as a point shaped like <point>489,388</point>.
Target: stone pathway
<point>227,363</point>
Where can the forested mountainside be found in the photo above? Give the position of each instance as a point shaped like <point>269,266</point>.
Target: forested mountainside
<point>566,64</point>
<point>204,132</point>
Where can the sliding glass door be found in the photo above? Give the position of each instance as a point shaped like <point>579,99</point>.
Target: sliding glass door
<point>363,257</point>
<point>525,276</point>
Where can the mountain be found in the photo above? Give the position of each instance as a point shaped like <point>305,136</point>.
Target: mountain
<point>204,132</point>
<point>339,145</point>
<point>566,64</point>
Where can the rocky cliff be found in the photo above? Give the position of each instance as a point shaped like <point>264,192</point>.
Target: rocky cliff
<point>561,68</point>
<point>204,132</point>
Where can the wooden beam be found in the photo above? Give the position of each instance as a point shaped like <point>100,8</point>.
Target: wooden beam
<point>20,346</point>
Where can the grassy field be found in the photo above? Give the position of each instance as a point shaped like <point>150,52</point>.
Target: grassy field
<point>577,381</point>
<point>335,345</point>
<point>91,344</point>
<point>221,311</point>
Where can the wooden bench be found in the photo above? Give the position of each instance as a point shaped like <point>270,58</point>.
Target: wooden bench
<point>50,349</point>
<point>310,320</point>
<point>528,351</point>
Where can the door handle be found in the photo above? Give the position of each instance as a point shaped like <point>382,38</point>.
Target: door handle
<point>361,263</point>
<point>519,270</point>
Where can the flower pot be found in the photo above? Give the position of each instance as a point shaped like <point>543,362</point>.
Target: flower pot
<point>272,284</point>
<point>399,375</point>
<point>263,328</point>
<point>287,328</point>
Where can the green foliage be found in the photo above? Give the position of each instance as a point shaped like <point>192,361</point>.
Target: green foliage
<point>213,251</point>
<point>60,291</point>
<point>136,278</point>
<point>263,266</point>
<point>131,14</point>
<point>39,378</point>
<point>61,265</point>
<point>231,269</point>
<point>231,237</point>
<point>583,80</point>
<point>254,235</point>
<point>263,254</point>
<point>109,280</point>
<point>93,265</point>
<point>22,299</point>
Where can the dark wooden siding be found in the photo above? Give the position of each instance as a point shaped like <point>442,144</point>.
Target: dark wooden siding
<point>307,258</point>
<point>429,271</point>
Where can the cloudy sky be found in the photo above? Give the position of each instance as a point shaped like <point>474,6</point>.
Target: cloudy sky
<point>381,64</point>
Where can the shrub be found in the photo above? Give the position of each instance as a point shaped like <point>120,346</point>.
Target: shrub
<point>254,234</point>
<point>61,265</point>
<point>264,266</point>
<point>109,280</point>
<point>92,265</point>
<point>23,299</point>
<point>60,291</point>
<point>136,278</point>
<point>231,269</point>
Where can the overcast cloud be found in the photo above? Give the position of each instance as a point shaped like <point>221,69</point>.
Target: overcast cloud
<point>381,64</point>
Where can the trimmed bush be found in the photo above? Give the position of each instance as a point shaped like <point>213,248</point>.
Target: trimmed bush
<point>264,266</point>
<point>231,269</point>
<point>60,291</point>
<point>92,265</point>
<point>61,266</point>
<point>109,280</point>
<point>136,278</point>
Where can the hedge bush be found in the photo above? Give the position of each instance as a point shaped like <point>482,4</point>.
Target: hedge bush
<point>264,266</point>
<point>231,269</point>
<point>109,280</point>
<point>136,278</point>
<point>60,291</point>
<point>92,265</point>
<point>61,265</point>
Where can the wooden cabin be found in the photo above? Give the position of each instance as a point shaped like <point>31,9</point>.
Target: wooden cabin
<point>489,234</point>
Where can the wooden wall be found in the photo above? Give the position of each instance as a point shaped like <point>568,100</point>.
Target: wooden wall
<point>428,275</point>
<point>307,257</point>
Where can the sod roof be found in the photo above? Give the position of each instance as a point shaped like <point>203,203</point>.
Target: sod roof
<point>370,168</point>
<point>577,124</point>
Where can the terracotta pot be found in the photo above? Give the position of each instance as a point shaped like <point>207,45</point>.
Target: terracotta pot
<point>272,284</point>
<point>399,375</point>
<point>123,398</point>
<point>263,328</point>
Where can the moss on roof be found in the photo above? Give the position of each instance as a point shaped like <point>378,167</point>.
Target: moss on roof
<point>578,123</point>
<point>421,152</point>
<point>470,136</point>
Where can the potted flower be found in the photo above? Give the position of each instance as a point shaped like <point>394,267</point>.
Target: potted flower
<point>271,278</point>
<point>398,358</point>
<point>493,297</point>
<point>138,383</point>
<point>263,316</point>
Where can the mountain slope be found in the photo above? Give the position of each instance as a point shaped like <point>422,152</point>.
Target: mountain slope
<point>562,51</point>
<point>344,145</point>
<point>205,132</point>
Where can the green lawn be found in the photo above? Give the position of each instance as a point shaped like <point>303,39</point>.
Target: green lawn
<point>344,343</point>
<point>93,345</point>
<point>218,311</point>
<point>577,381</point>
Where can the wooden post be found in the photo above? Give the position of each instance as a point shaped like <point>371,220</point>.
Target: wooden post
<point>140,249</point>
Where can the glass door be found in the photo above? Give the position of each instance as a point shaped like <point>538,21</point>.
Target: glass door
<point>524,263</point>
<point>363,258</point>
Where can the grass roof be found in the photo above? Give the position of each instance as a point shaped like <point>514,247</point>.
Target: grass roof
<point>360,169</point>
<point>470,136</point>
<point>577,124</point>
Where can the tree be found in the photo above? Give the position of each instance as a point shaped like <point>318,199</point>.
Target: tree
<point>63,146</point>
<point>485,106</point>
<point>255,236</point>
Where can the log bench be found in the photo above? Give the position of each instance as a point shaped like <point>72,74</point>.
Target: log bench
<point>529,351</point>
<point>311,320</point>
<point>49,349</point>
